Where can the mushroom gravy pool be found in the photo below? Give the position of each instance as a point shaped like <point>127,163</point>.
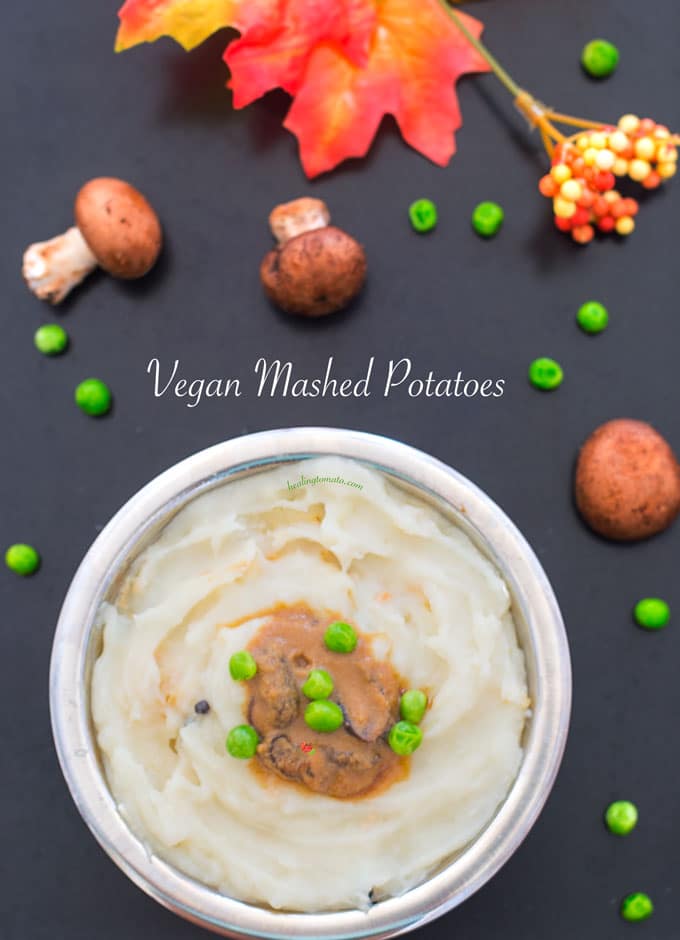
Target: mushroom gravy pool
<point>255,565</point>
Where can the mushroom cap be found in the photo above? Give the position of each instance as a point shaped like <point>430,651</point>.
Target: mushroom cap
<point>119,226</point>
<point>627,483</point>
<point>316,273</point>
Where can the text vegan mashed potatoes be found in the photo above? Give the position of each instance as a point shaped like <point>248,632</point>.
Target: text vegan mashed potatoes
<point>374,556</point>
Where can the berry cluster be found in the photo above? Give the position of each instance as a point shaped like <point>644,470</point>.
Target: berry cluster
<point>584,170</point>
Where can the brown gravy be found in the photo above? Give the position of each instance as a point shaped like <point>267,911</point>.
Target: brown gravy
<point>354,761</point>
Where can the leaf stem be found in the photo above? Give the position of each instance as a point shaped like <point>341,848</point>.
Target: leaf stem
<point>492,61</point>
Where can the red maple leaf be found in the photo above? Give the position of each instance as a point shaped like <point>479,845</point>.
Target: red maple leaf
<point>347,63</point>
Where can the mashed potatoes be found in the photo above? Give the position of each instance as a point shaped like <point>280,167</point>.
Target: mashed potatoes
<point>398,570</point>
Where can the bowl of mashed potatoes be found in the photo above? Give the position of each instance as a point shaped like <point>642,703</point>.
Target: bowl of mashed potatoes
<point>310,682</point>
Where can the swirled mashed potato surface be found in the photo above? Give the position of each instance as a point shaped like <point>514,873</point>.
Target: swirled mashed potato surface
<point>377,557</point>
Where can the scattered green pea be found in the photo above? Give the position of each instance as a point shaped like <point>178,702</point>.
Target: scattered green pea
<point>93,397</point>
<point>637,906</point>
<point>22,559</point>
<point>621,817</point>
<point>592,317</point>
<point>340,637</point>
<point>423,215</point>
<point>325,716</point>
<point>318,685</point>
<point>51,339</point>
<point>652,613</point>
<point>242,666</point>
<point>405,737</point>
<point>599,58</point>
<point>546,374</point>
<point>242,742</point>
<point>412,705</point>
<point>487,219</point>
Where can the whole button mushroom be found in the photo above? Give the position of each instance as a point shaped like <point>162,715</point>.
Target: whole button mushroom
<point>627,483</point>
<point>116,229</point>
<point>317,268</point>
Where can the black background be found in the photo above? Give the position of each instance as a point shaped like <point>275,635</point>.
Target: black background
<point>161,118</point>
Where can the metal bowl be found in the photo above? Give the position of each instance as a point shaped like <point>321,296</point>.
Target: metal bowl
<point>540,631</point>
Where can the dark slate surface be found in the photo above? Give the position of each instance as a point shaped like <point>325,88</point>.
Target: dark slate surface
<point>451,302</point>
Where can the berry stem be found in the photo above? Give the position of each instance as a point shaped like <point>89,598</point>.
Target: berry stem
<point>536,113</point>
<point>492,61</point>
<point>574,122</point>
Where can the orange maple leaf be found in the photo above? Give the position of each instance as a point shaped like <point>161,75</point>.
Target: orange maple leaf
<point>347,63</point>
<point>258,63</point>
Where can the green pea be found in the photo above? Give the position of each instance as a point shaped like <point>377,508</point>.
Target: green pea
<point>242,666</point>
<point>599,58</point>
<point>423,215</point>
<point>546,374</point>
<point>318,685</point>
<point>93,397</point>
<point>412,705</point>
<point>652,613</point>
<point>341,637</point>
<point>242,742</point>
<point>405,737</point>
<point>51,339</point>
<point>487,219</point>
<point>22,559</point>
<point>324,716</point>
<point>637,906</point>
<point>621,817</point>
<point>592,317</point>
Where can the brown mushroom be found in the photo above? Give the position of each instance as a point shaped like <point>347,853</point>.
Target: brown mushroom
<point>317,268</point>
<point>116,229</point>
<point>627,483</point>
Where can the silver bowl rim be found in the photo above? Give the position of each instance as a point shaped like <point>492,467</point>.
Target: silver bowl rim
<point>531,589</point>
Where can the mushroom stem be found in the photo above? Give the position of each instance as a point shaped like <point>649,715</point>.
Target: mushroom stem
<point>297,217</point>
<point>53,268</point>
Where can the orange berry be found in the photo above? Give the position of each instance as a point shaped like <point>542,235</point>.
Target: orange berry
<point>625,226</point>
<point>580,217</point>
<point>619,141</point>
<point>653,181</point>
<point>645,148</point>
<point>583,234</point>
<point>587,199</point>
<point>646,126</point>
<point>604,180</point>
<point>661,132</point>
<point>606,224</point>
<point>638,170</point>
<point>564,208</point>
<point>560,173</point>
<point>564,225</point>
<point>629,123</point>
<point>571,190</point>
<point>601,206</point>
<point>667,153</point>
<point>612,196</point>
<point>667,170</point>
<point>619,209</point>
<point>605,159</point>
<point>632,206</point>
<point>620,167</point>
<point>547,186</point>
